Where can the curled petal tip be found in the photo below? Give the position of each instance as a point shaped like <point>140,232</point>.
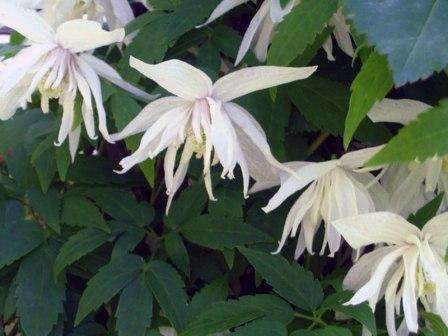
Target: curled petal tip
<point>58,144</point>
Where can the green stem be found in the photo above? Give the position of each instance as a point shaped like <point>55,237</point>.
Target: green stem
<point>314,319</point>
<point>316,144</point>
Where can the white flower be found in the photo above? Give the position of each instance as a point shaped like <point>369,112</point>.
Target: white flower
<point>261,29</point>
<point>410,267</point>
<point>337,189</point>
<point>202,117</point>
<point>57,63</point>
<point>414,184</point>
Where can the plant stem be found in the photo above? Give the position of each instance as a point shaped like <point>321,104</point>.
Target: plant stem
<point>314,319</point>
<point>316,144</point>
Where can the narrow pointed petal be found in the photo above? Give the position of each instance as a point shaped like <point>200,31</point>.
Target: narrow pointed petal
<point>84,35</point>
<point>401,111</point>
<point>410,289</point>
<point>375,228</point>
<point>122,12</point>
<point>177,77</point>
<point>105,70</point>
<point>221,9</point>
<point>242,82</point>
<point>437,229</point>
<point>73,142</point>
<point>356,159</point>
<point>390,298</point>
<point>252,31</point>
<point>262,45</point>
<point>26,22</point>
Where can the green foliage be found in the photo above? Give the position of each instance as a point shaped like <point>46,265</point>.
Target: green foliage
<point>420,139</point>
<point>428,211</point>
<point>405,31</point>
<point>300,29</point>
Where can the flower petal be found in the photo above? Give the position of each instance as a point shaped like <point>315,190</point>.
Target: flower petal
<point>223,7</point>
<point>410,289</point>
<point>437,229</point>
<point>356,159</point>
<point>242,82</point>
<point>177,77</point>
<point>390,298</point>
<point>375,228</point>
<point>84,35</point>
<point>401,111</point>
<point>105,70</point>
<point>73,141</point>
<point>26,22</point>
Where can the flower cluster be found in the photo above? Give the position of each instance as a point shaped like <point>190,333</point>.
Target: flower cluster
<point>362,205</point>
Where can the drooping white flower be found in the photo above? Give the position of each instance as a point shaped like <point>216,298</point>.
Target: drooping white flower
<point>409,268</point>
<point>202,117</point>
<point>336,189</point>
<point>411,184</point>
<point>56,62</point>
<point>261,29</point>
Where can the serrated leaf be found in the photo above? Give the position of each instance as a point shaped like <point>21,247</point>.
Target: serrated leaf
<point>324,104</point>
<point>48,206</point>
<point>110,279</point>
<point>124,109</point>
<point>290,281</point>
<point>219,232</point>
<point>168,288</point>
<point>371,85</point>
<point>272,306</point>
<point>423,138</point>
<point>79,212</point>
<point>63,160</point>
<point>405,31</point>
<point>427,212</point>
<point>127,242</point>
<point>39,296</point>
<point>18,237</point>
<point>77,246</point>
<point>208,296</point>
<point>177,252</point>
<point>263,327</point>
<point>43,161</point>
<point>134,311</point>
<point>299,29</point>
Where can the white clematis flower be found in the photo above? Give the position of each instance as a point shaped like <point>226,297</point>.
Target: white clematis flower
<point>410,267</point>
<point>56,62</point>
<point>202,117</point>
<point>337,189</point>
<point>411,185</point>
<point>261,29</point>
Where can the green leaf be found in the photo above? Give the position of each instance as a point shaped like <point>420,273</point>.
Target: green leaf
<point>371,85</point>
<point>427,212</point>
<point>48,206</point>
<point>361,313</point>
<point>79,212</point>
<point>18,237</point>
<point>263,327</point>
<point>423,138</point>
<point>405,30</point>
<point>43,161</point>
<point>134,309</point>
<point>110,279</point>
<point>39,296</point>
<point>324,104</point>
<point>288,280</point>
<point>63,160</point>
<point>79,245</point>
<point>273,307</point>
<point>328,331</point>
<point>213,293</point>
<point>177,252</point>
<point>124,109</point>
<point>127,242</point>
<point>219,232</point>
<point>122,205</point>
<point>299,29</point>
<point>168,288</point>
<point>436,324</point>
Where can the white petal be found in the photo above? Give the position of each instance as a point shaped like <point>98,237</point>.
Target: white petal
<point>390,298</point>
<point>252,31</point>
<point>168,166</point>
<point>433,169</point>
<point>87,107</point>
<point>177,77</point>
<point>437,229</point>
<point>149,115</point>
<point>223,7</point>
<point>264,39</point>
<point>122,11</point>
<point>83,35</point>
<point>26,22</point>
<point>294,183</point>
<point>68,116</point>
<point>370,291</point>
<point>105,70</point>
<point>342,33</point>
<point>356,159</point>
<point>410,289</point>
<point>375,228</point>
<point>73,141</point>
<point>401,111</point>
<point>242,82</point>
